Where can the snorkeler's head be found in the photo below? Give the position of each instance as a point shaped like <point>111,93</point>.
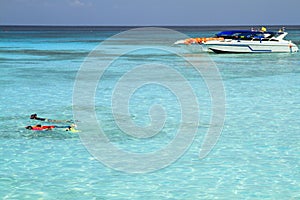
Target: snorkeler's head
<point>33,116</point>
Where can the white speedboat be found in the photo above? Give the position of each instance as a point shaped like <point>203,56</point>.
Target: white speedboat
<point>250,42</point>
<point>245,41</point>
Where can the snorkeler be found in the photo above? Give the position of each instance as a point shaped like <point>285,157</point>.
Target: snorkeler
<point>40,128</point>
<point>71,128</point>
<point>34,116</point>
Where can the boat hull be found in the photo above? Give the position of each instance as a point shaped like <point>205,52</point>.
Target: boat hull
<point>250,47</point>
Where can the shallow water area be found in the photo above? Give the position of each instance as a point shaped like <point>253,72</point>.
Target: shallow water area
<point>256,156</point>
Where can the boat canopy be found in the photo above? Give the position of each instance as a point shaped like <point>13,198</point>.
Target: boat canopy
<point>246,34</point>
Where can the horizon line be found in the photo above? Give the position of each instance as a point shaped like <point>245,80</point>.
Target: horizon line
<point>150,25</point>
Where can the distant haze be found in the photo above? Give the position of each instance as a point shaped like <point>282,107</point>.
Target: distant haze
<point>151,12</point>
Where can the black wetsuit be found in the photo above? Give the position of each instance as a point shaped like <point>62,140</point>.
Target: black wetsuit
<point>41,119</point>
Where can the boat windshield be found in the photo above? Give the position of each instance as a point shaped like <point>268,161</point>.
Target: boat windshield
<point>245,35</point>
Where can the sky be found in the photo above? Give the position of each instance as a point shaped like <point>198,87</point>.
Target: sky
<point>149,12</point>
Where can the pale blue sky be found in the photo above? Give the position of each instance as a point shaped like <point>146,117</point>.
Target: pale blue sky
<point>149,12</point>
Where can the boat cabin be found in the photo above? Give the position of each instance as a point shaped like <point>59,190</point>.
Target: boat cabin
<point>249,35</point>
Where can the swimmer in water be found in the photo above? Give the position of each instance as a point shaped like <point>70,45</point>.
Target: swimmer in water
<point>40,128</point>
<point>34,116</point>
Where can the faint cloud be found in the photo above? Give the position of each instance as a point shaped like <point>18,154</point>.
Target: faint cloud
<point>79,3</point>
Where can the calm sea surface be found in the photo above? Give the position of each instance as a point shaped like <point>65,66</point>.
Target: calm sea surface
<point>256,156</point>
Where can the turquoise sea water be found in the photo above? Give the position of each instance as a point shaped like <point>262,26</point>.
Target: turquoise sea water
<point>256,156</point>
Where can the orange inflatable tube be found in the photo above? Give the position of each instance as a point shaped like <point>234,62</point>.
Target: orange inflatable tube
<point>201,40</point>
